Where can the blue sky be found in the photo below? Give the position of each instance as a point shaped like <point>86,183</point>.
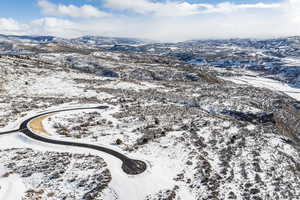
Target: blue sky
<point>154,19</point>
<point>29,10</point>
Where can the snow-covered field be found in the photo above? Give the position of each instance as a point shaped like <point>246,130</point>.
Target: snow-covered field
<point>161,166</point>
<point>11,187</point>
<point>291,61</point>
<point>271,84</point>
<point>194,148</point>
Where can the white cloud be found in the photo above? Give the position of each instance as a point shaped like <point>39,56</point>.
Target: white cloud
<point>157,8</point>
<point>54,26</point>
<point>85,11</point>
<point>10,26</point>
<point>228,7</point>
<point>292,10</point>
<point>224,20</point>
<point>179,8</point>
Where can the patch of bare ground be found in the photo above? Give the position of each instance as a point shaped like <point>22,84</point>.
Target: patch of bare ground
<point>37,125</point>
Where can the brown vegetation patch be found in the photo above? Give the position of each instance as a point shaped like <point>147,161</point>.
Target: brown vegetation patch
<point>37,125</point>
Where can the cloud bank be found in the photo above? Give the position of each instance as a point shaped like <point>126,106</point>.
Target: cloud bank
<point>85,11</point>
<point>181,8</point>
<point>164,21</point>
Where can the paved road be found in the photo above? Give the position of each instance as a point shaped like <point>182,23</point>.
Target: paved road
<point>129,166</point>
<point>8,132</point>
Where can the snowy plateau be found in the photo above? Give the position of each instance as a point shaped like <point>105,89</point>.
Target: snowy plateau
<point>210,120</point>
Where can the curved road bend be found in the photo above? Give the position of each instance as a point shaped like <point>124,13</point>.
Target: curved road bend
<point>129,166</point>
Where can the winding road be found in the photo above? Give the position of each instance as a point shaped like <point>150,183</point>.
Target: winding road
<point>129,166</point>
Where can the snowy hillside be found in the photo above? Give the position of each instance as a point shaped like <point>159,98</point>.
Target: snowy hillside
<point>203,132</point>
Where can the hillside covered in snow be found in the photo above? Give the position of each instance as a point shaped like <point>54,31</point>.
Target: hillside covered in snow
<point>210,119</point>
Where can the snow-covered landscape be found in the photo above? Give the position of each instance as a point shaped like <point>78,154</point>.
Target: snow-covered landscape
<point>271,84</point>
<point>150,100</point>
<point>204,132</point>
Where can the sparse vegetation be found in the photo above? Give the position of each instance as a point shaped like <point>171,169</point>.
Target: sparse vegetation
<point>215,139</point>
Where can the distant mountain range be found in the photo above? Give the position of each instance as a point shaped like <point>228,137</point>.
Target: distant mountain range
<point>89,40</point>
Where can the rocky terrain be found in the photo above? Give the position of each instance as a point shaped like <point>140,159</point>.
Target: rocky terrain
<point>55,175</point>
<point>273,58</point>
<point>202,135</point>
